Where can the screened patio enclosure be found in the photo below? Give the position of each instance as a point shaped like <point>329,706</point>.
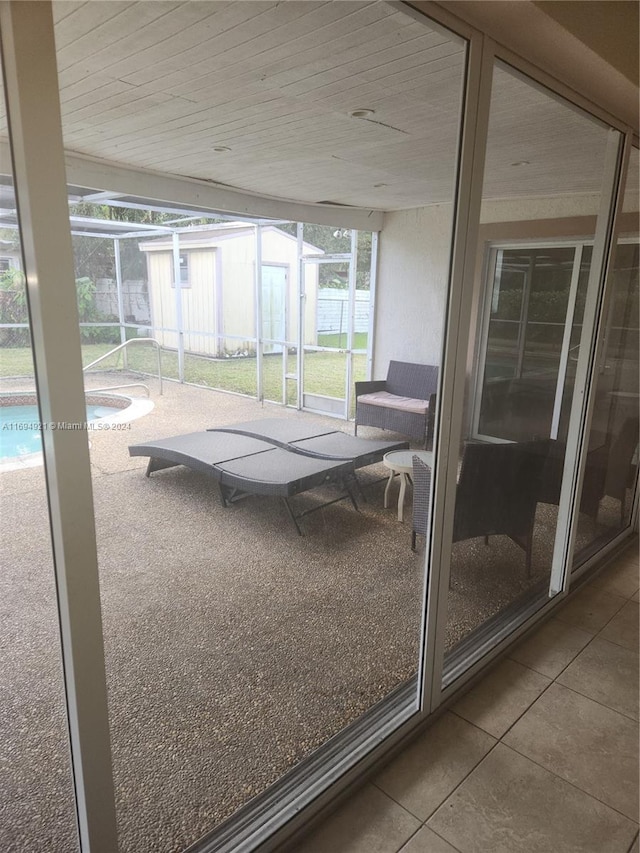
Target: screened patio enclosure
<point>334,186</point>
<point>313,307</point>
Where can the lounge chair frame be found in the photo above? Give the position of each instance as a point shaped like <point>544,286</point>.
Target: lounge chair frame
<point>274,457</point>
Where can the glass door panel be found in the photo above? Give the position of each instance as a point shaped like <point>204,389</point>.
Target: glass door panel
<point>275,312</point>
<point>610,478</point>
<point>235,648</point>
<point>337,315</point>
<point>278,325</point>
<point>38,807</point>
<point>511,461</point>
<point>38,810</point>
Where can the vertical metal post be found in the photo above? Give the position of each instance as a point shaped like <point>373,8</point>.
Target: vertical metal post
<point>375,237</point>
<point>258,314</point>
<point>178,294</point>
<point>450,407</point>
<point>584,392</point>
<point>493,274</point>
<point>301,311</point>
<point>219,304</point>
<point>566,342</point>
<point>123,333</point>
<point>353,265</point>
<point>33,109</point>
<point>524,315</point>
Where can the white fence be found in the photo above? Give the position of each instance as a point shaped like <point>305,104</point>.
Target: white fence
<point>135,299</point>
<point>333,310</point>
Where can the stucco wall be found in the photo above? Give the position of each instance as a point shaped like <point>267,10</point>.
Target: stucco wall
<point>411,289</point>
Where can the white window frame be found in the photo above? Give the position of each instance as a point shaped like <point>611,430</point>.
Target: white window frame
<point>492,257</point>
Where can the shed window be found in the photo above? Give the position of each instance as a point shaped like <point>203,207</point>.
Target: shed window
<point>184,271</point>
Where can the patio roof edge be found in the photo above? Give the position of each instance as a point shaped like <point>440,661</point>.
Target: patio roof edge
<point>195,194</point>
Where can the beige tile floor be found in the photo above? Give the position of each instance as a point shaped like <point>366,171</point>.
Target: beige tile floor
<point>541,756</point>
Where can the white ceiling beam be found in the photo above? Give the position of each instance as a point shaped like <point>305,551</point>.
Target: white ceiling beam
<point>200,196</point>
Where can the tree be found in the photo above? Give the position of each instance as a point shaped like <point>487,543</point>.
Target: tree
<point>335,241</point>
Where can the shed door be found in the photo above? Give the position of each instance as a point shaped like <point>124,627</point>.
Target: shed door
<point>274,307</point>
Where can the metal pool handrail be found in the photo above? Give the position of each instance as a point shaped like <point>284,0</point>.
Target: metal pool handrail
<point>126,344</point>
<point>118,388</point>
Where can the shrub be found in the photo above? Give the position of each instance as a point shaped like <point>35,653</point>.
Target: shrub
<point>13,309</point>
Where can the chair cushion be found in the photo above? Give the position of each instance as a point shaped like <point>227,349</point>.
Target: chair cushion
<point>393,401</point>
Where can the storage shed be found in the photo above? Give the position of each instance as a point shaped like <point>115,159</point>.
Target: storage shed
<point>218,288</point>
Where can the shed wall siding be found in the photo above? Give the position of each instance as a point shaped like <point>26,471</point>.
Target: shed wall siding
<point>237,264</point>
<point>220,299</point>
<point>198,303</point>
<point>162,295</point>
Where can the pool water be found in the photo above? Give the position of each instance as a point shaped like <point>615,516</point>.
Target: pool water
<point>20,428</point>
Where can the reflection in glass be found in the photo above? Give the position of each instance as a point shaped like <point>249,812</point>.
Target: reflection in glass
<point>545,161</point>
<point>535,322</point>
<point>529,305</point>
<point>611,472</point>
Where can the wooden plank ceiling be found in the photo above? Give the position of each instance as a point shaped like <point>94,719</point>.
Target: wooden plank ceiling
<point>162,85</point>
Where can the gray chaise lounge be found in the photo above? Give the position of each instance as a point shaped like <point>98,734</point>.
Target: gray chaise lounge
<point>273,456</point>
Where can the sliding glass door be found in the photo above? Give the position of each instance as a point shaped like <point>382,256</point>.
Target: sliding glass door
<point>529,352</point>
<point>237,652</point>
<point>526,360</point>
<point>610,478</point>
<point>34,727</point>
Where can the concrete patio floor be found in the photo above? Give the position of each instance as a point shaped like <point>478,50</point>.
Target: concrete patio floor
<point>234,647</point>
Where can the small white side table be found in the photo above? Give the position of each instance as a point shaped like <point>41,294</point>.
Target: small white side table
<point>401,462</point>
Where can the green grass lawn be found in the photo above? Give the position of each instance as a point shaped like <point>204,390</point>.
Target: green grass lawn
<point>340,341</point>
<point>324,371</point>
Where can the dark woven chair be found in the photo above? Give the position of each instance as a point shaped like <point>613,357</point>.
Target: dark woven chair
<point>404,402</point>
<point>497,493</point>
<point>593,485</point>
<point>621,470</point>
<point>421,491</point>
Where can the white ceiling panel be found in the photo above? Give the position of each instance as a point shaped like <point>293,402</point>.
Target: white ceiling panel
<point>160,85</point>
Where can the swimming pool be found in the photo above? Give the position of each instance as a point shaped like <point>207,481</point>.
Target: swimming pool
<point>20,434</point>
<point>20,428</point>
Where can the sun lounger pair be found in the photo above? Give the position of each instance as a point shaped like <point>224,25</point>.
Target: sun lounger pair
<point>273,456</point>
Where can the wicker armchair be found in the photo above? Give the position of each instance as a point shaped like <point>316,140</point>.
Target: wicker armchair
<point>621,468</point>
<point>593,485</point>
<point>404,402</point>
<point>497,493</point>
